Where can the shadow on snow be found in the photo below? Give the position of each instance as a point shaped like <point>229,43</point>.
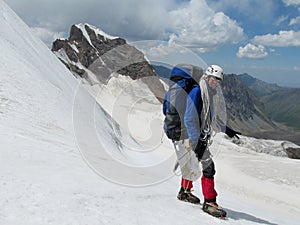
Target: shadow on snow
<point>235,215</point>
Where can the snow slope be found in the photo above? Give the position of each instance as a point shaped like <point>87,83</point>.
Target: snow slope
<point>64,160</point>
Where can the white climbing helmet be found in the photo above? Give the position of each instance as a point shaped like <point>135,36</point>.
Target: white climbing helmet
<point>215,70</point>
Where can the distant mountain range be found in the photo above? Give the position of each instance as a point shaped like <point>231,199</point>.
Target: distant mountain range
<point>162,71</point>
<point>260,87</point>
<point>282,104</point>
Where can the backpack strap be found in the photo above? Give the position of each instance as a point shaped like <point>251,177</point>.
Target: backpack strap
<point>173,98</point>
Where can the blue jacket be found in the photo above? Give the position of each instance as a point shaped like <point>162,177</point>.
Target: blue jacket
<point>192,116</point>
<point>190,110</point>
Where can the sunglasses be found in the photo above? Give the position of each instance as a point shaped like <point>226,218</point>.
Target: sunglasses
<point>215,78</point>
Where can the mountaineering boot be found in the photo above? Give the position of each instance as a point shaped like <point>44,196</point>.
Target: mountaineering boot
<point>213,209</point>
<point>187,196</point>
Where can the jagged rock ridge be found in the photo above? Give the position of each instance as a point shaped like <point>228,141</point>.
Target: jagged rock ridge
<point>260,87</point>
<point>244,110</point>
<point>93,55</point>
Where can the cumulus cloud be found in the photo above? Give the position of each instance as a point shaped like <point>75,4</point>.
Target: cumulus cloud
<point>190,23</point>
<point>280,20</point>
<point>295,3</point>
<point>45,35</point>
<point>199,26</point>
<point>282,39</point>
<point>252,51</point>
<point>291,2</point>
<point>163,49</point>
<point>294,21</point>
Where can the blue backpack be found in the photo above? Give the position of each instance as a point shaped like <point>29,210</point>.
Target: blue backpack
<point>181,83</point>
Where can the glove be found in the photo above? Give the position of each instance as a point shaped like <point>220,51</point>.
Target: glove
<point>200,148</point>
<point>231,133</point>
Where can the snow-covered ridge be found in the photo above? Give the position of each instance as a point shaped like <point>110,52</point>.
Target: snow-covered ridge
<point>81,26</point>
<point>93,57</point>
<point>271,147</point>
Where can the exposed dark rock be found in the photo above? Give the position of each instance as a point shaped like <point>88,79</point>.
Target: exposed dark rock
<point>245,111</point>
<point>87,49</point>
<point>293,153</point>
<point>292,150</point>
<point>282,105</point>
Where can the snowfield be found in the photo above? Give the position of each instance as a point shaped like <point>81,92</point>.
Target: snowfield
<point>65,159</point>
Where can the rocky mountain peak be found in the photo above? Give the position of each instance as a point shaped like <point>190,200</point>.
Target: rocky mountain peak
<point>245,111</point>
<point>91,54</point>
<point>239,99</point>
<point>83,47</point>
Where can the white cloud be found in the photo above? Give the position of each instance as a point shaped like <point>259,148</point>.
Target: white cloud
<point>280,20</point>
<point>146,19</point>
<point>295,21</point>
<point>291,2</point>
<point>165,48</point>
<point>296,68</point>
<point>295,3</point>
<point>252,52</point>
<point>45,35</point>
<point>199,26</point>
<point>189,23</point>
<point>282,39</point>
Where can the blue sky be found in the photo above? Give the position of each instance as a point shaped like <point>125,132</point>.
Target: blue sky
<point>261,38</point>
